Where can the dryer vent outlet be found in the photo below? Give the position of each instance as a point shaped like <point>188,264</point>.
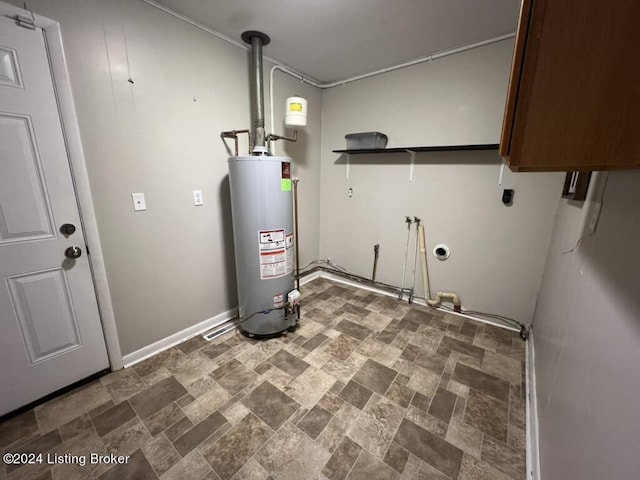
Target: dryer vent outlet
<point>441,252</point>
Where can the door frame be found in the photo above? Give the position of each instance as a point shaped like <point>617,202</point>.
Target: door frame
<point>79,174</point>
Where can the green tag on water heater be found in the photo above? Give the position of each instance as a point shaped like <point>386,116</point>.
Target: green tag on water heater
<point>285,179</point>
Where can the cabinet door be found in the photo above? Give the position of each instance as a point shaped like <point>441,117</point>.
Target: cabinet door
<point>574,96</point>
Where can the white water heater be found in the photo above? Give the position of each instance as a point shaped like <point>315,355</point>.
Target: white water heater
<point>262,211</point>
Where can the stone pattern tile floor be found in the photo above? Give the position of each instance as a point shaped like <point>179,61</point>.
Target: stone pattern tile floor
<point>367,388</point>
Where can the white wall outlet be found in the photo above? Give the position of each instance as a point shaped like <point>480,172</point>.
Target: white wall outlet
<point>197,197</point>
<point>139,203</point>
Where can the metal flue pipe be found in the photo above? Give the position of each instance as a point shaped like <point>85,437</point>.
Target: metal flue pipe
<point>257,40</point>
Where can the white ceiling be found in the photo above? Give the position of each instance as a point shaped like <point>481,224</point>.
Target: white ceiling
<point>331,40</point>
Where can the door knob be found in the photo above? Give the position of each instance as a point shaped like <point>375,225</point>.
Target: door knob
<point>73,252</point>
<point>68,229</point>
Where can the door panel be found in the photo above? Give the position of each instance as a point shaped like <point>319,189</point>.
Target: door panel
<point>51,335</point>
<point>44,309</point>
<point>9,73</point>
<point>24,209</point>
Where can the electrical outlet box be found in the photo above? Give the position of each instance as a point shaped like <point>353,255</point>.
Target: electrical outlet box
<point>139,203</point>
<point>589,221</point>
<point>507,196</point>
<point>595,215</point>
<point>197,197</point>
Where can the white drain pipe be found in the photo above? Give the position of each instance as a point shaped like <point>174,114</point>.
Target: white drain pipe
<point>425,270</point>
<point>440,296</point>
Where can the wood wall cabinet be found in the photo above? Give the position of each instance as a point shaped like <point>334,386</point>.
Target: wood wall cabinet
<point>574,97</point>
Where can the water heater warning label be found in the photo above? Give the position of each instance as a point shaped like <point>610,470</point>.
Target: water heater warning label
<point>273,252</point>
<point>278,300</point>
<point>270,237</point>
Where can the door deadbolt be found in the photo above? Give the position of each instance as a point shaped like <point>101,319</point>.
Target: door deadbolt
<point>73,252</point>
<point>68,229</point>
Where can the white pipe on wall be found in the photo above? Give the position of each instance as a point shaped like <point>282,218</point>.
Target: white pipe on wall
<point>271,114</point>
<point>410,63</point>
<point>311,81</point>
<point>417,61</point>
<point>440,296</point>
<point>315,83</point>
<point>289,71</point>
<point>185,19</point>
<point>425,270</point>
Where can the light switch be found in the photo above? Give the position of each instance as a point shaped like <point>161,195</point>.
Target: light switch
<point>197,197</point>
<point>139,202</point>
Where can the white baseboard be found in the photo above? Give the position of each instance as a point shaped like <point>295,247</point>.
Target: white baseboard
<point>178,337</point>
<point>183,335</point>
<point>533,436</point>
<point>353,283</point>
<point>172,340</point>
<point>310,277</point>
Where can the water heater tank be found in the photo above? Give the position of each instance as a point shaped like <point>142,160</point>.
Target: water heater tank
<point>262,211</point>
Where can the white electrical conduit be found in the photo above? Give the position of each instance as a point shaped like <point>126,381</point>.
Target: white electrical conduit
<point>440,296</point>
<point>410,63</point>
<point>315,83</point>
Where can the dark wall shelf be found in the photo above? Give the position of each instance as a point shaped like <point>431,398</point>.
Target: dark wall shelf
<point>443,148</point>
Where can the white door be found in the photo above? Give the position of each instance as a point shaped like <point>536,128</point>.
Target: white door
<point>50,330</point>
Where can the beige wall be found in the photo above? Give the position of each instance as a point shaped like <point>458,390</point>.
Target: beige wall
<point>306,156</point>
<point>497,252</point>
<point>587,341</point>
<point>172,265</point>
